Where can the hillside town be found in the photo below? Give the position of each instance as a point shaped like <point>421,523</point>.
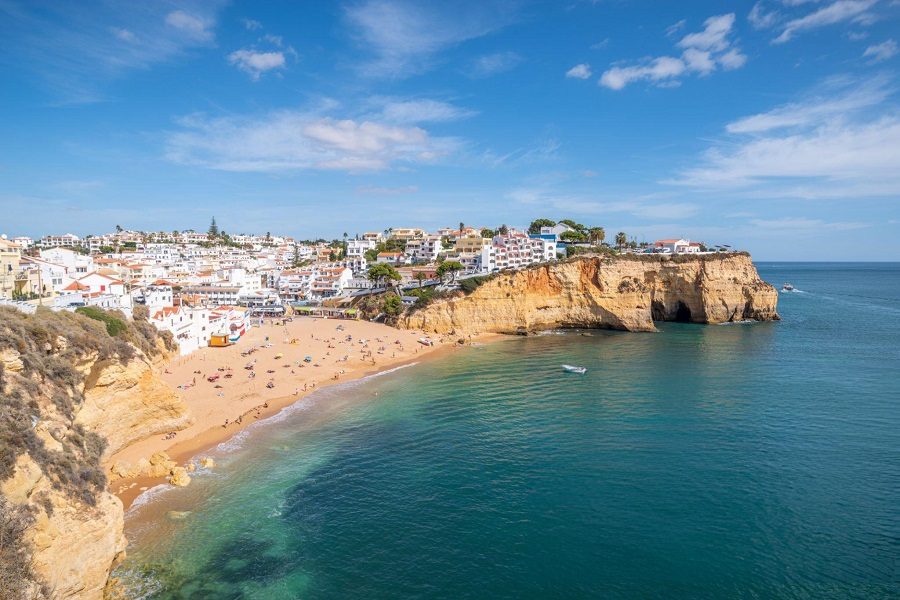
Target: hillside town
<point>207,288</point>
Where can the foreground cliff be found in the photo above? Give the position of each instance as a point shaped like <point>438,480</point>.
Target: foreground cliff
<point>73,389</point>
<point>615,292</point>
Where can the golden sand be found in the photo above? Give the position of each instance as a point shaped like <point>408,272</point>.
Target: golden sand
<point>340,350</point>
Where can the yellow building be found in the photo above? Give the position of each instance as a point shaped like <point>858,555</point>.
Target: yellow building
<point>407,233</point>
<point>10,254</point>
<point>471,244</point>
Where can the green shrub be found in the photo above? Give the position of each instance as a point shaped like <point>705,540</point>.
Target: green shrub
<point>49,344</point>
<point>114,326</point>
<point>471,284</point>
<point>17,579</point>
<point>392,305</point>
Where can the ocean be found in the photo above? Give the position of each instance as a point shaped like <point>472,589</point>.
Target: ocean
<point>729,461</point>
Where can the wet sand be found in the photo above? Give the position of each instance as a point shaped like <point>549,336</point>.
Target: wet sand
<point>340,351</point>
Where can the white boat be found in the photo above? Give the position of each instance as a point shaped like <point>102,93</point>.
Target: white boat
<point>574,369</point>
<point>426,341</point>
<point>787,288</point>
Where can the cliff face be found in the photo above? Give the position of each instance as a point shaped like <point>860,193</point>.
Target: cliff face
<point>624,292</point>
<point>73,394</point>
<point>127,402</point>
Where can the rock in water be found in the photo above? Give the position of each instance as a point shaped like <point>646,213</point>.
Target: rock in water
<point>180,477</point>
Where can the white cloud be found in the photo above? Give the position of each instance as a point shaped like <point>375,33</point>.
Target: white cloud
<point>542,151</point>
<point>823,147</point>
<point>292,140</point>
<point>491,64</point>
<point>733,59</point>
<point>760,19</point>
<point>714,36</point>
<point>703,52</point>
<point>77,48</point>
<point>387,191</point>
<point>675,27</point>
<point>836,12</point>
<point>256,63</point>
<point>801,224</point>
<point>837,98</point>
<point>123,34</point>
<point>422,111</point>
<point>659,69</point>
<point>882,51</point>
<point>566,203</point>
<point>252,25</point>
<point>582,71</point>
<point>831,152</point>
<point>405,35</point>
<point>194,26</point>
<point>699,60</point>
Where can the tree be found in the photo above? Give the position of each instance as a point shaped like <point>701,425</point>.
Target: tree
<point>461,227</point>
<point>392,305</point>
<point>621,239</point>
<point>420,277</point>
<point>504,230</point>
<point>268,236</point>
<point>596,235</point>
<point>488,233</point>
<point>573,224</point>
<point>573,237</point>
<point>119,229</point>
<point>451,267</point>
<point>536,225</point>
<point>383,273</point>
<point>213,231</point>
<point>296,262</point>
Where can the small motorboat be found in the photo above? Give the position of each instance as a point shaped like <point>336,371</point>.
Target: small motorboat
<point>426,341</point>
<point>787,287</point>
<point>574,369</point>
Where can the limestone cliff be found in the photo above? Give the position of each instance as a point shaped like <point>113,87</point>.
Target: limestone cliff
<point>73,391</point>
<point>618,292</point>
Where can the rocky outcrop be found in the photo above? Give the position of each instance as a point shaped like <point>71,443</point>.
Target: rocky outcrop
<point>73,394</point>
<point>126,402</point>
<point>620,292</point>
<point>74,545</point>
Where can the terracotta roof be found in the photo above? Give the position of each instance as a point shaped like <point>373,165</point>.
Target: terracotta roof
<point>75,287</point>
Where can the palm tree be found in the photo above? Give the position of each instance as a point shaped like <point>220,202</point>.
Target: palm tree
<point>621,239</point>
<point>420,277</point>
<point>461,227</point>
<point>597,235</point>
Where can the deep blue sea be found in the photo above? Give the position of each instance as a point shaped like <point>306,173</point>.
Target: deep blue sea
<point>728,461</point>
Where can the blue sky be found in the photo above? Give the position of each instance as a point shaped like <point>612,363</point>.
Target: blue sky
<point>771,125</point>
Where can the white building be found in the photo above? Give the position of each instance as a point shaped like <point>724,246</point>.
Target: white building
<point>424,250</point>
<point>676,246</point>
<point>24,242</point>
<point>358,248</point>
<point>60,241</point>
<point>214,295</point>
<point>76,265</point>
<point>190,326</point>
<point>517,250</point>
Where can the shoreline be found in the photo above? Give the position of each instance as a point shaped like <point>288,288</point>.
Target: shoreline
<point>205,435</point>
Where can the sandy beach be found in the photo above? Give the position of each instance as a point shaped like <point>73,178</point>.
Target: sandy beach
<point>337,351</point>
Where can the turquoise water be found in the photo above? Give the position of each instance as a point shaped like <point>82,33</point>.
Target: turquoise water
<point>732,461</point>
